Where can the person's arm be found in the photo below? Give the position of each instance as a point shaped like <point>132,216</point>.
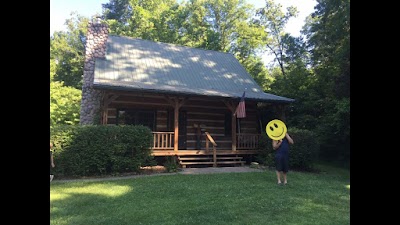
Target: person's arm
<point>276,144</point>
<point>52,160</point>
<point>290,140</point>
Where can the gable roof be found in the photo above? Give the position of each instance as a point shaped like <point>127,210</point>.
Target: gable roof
<point>142,65</point>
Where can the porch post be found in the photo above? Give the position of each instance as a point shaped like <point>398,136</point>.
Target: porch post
<point>232,108</point>
<point>176,124</point>
<point>233,131</point>
<point>104,120</point>
<point>176,103</point>
<point>107,99</point>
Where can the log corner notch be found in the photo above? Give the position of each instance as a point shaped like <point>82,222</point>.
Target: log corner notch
<point>176,103</point>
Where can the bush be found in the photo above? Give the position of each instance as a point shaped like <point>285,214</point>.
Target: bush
<point>100,150</point>
<point>171,164</point>
<point>302,154</point>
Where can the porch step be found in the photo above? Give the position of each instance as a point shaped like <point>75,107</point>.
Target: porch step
<point>207,160</point>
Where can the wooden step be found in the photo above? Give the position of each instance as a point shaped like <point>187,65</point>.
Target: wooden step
<point>194,163</point>
<point>209,158</point>
<point>224,159</point>
<point>194,158</point>
<point>185,163</point>
<point>233,157</point>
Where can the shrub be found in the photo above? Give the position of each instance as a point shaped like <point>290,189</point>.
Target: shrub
<point>100,150</point>
<point>302,154</point>
<point>171,164</point>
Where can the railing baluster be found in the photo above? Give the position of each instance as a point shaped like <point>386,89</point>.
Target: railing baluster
<point>162,140</point>
<point>247,141</point>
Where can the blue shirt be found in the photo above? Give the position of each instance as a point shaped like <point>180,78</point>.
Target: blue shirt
<point>283,148</point>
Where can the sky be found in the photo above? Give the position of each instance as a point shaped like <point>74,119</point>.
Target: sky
<point>60,10</point>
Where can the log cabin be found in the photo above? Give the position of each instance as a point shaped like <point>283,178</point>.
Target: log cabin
<point>187,96</point>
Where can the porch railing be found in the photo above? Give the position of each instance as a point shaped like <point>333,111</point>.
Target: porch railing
<point>247,141</point>
<point>163,140</point>
<point>210,139</point>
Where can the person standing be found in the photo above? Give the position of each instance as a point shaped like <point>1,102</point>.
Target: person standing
<point>282,157</point>
<point>52,165</point>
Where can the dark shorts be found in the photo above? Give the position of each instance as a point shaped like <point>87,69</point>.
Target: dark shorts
<point>282,163</point>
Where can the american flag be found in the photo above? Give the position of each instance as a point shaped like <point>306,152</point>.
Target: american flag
<point>240,111</point>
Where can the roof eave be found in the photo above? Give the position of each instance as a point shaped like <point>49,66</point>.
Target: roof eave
<point>158,91</point>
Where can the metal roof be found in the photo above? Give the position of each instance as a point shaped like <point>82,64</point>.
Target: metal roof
<point>142,65</point>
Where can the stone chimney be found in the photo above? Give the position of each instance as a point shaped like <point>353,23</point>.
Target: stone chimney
<point>96,40</point>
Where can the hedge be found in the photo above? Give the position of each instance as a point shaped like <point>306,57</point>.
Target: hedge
<point>100,150</point>
<point>302,154</point>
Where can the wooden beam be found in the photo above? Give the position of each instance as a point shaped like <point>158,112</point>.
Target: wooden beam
<point>182,101</point>
<point>230,105</point>
<point>176,103</point>
<point>170,101</point>
<point>232,108</point>
<point>176,124</point>
<point>108,98</point>
<point>233,131</point>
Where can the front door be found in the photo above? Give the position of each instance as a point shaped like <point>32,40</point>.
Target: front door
<point>182,129</point>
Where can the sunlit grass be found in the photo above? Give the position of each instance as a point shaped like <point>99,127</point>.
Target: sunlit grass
<point>100,189</point>
<point>228,198</point>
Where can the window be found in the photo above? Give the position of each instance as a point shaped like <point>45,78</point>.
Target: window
<point>136,117</point>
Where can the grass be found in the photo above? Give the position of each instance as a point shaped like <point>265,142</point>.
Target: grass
<point>226,198</point>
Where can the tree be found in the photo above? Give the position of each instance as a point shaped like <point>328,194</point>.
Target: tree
<point>66,70</point>
<point>328,31</point>
<point>64,104</point>
<point>274,20</point>
<point>64,101</point>
<point>151,20</point>
<point>68,51</point>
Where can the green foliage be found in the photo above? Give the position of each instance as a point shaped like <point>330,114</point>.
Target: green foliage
<point>150,20</point>
<point>118,10</point>
<point>302,154</point>
<point>68,52</point>
<point>100,150</point>
<point>171,164</point>
<point>273,20</point>
<point>255,67</point>
<point>267,154</point>
<point>65,104</point>
<point>329,38</point>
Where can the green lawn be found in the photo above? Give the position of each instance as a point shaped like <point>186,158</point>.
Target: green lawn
<point>228,198</point>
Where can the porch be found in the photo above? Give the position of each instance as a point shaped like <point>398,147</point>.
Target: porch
<point>210,155</point>
<point>197,130</point>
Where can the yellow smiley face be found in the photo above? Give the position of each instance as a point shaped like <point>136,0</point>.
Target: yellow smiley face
<point>276,129</point>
